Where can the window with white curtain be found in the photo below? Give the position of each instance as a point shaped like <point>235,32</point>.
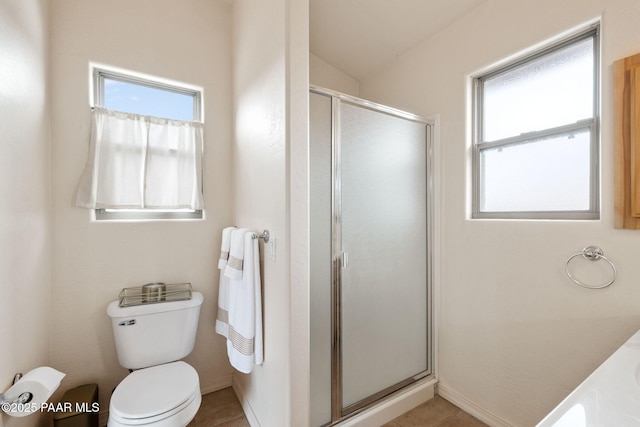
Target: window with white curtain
<point>146,149</point>
<point>536,149</point>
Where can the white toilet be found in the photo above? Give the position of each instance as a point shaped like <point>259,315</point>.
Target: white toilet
<point>152,338</point>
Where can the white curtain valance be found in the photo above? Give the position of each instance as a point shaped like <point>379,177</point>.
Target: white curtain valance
<point>142,162</point>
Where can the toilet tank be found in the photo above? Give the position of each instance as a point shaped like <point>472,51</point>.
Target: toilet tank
<point>153,334</point>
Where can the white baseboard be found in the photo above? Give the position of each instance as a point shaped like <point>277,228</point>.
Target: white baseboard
<point>214,384</point>
<point>246,406</point>
<point>399,403</point>
<point>471,407</point>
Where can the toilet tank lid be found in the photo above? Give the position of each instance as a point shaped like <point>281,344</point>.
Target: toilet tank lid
<point>114,309</point>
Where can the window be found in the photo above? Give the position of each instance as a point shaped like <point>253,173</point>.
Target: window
<point>120,92</point>
<point>161,110</point>
<point>536,135</point>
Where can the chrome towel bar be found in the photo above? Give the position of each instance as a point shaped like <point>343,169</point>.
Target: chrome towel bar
<point>264,236</point>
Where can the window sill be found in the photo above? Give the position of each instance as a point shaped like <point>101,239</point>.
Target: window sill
<point>104,215</point>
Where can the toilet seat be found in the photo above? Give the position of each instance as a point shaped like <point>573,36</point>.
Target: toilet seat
<point>153,395</point>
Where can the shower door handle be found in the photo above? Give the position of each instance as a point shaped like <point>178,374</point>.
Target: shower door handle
<point>344,259</point>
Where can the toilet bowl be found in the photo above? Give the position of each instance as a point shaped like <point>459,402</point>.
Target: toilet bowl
<point>164,395</point>
<point>161,390</point>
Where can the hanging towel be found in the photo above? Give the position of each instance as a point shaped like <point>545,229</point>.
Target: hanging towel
<point>224,248</point>
<point>244,328</point>
<point>222,318</point>
<point>235,264</point>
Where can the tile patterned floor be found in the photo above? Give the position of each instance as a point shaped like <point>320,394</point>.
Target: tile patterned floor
<point>437,412</point>
<point>222,409</point>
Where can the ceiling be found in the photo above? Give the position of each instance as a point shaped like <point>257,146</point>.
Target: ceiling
<point>361,36</point>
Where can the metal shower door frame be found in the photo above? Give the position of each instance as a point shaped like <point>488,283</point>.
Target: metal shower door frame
<point>338,412</point>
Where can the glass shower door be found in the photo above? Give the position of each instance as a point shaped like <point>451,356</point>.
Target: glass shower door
<point>370,256</point>
<point>380,247</point>
<point>321,307</point>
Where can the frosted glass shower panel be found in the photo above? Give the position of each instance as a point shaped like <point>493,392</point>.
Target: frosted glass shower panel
<point>320,126</point>
<point>383,180</point>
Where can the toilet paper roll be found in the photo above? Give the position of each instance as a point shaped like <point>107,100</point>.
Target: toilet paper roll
<point>40,382</point>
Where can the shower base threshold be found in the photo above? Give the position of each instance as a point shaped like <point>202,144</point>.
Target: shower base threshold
<point>393,405</point>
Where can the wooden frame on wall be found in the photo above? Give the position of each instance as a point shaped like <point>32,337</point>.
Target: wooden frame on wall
<point>626,77</point>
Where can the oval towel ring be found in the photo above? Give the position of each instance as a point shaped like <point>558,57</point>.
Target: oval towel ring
<point>592,253</point>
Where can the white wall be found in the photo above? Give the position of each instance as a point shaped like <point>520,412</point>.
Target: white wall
<point>516,335</point>
<point>25,230</point>
<point>270,104</point>
<point>184,41</point>
<point>259,91</point>
<point>325,75</point>
<point>298,210</point>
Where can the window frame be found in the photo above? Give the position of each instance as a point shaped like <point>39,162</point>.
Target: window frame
<point>100,73</point>
<point>592,124</point>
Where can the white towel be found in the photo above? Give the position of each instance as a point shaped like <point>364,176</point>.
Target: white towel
<point>239,317</point>
<point>234,267</point>
<point>222,317</point>
<point>224,248</point>
<point>244,333</point>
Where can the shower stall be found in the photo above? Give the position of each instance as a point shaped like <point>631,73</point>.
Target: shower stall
<point>371,255</point>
